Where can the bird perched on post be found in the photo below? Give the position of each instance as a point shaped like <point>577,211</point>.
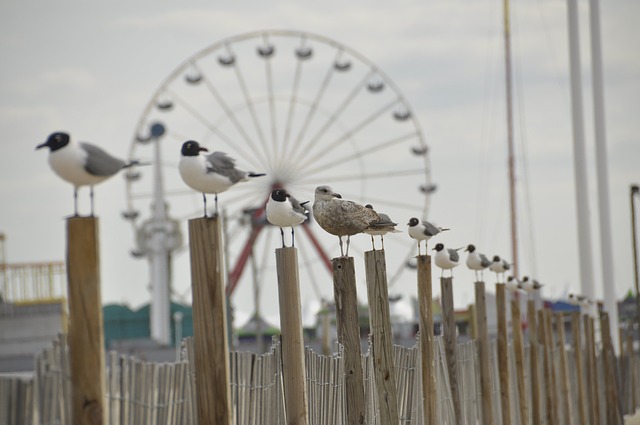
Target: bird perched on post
<point>422,231</point>
<point>81,163</point>
<point>381,228</point>
<point>213,173</point>
<point>283,210</point>
<point>446,258</point>
<point>512,284</point>
<point>529,285</point>
<point>499,267</point>
<point>341,217</point>
<point>476,261</point>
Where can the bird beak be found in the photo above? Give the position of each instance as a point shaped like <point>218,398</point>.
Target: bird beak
<point>203,149</point>
<point>42,145</point>
<point>337,195</point>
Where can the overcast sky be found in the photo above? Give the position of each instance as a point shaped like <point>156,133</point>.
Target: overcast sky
<point>91,68</point>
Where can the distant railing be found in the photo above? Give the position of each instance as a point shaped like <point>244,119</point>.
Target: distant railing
<point>32,283</point>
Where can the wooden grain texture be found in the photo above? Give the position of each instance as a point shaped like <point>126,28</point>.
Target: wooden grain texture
<point>346,299</point>
<point>483,352</point>
<point>613,414</point>
<point>534,367</point>
<point>86,334</point>
<point>593,402</point>
<point>578,365</point>
<point>518,351</point>
<point>548,366</point>
<point>293,368</point>
<point>503,353</point>
<point>565,384</point>
<point>428,370</point>
<point>450,336</point>
<point>209,322</point>
<point>381,337</point>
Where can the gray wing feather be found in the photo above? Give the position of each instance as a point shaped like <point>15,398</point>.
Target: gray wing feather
<point>99,162</point>
<point>484,261</point>
<point>296,206</point>
<point>430,229</point>
<point>223,164</point>
<point>453,255</point>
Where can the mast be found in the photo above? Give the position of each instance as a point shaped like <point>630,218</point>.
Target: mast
<point>511,160</point>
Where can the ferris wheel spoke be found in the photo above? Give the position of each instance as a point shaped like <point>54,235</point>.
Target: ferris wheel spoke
<point>272,108</point>
<point>348,134</point>
<point>306,261</point>
<point>252,112</point>
<point>232,117</point>
<point>292,104</point>
<point>363,176</point>
<point>396,276</point>
<point>333,117</point>
<point>314,106</point>
<point>334,162</point>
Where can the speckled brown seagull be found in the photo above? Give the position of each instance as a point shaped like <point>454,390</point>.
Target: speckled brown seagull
<point>341,217</point>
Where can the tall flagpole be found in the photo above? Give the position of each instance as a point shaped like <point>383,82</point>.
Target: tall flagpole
<point>511,160</point>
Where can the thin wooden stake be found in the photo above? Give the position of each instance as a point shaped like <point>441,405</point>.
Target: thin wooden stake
<point>503,354</point>
<point>533,357</point>
<point>344,291</point>
<point>425,298</point>
<point>449,332</point>
<point>614,415</point>
<point>483,348</point>
<point>210,322</point>
<point>592,372</point>
<point>577,352</point>
<point>518,349</point>
<point>565,386</point>
<point>381,337</point>
<point>293,368</point>
<point>86,335</point>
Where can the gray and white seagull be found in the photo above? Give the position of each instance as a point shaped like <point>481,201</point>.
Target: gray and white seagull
<point>81,163</point>
<point>283,210</point>
<point>446,258</point>
<point>381,228</point>
<point>341,217</point>
<point>213,173</point>
<point>476,261</point>
<point>422,231</point>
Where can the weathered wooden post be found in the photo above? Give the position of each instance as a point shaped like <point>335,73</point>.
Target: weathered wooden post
<point>533,357</point>
<point>450,335</point>
<point>348,324</point>
<point>483,348</point>
<point>518,350</point>
<point>565,387</point>
<point>425,299</point>
<point>86,334</point>
<point>209,322</point>
<point>614,415</point>
<point>293,368</point>
<point>381,337</point>
<point>577,352</point>
<point>592,372</point>
<point>503,353</point>
<point>549,366</point>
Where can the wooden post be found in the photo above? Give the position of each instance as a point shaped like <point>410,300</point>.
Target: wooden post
<point>86,334</point>
<point>614,415</point>
<point>483,348</point>
<point>425,298</point>
<point>577,352</point>
<point>503,354</point>
<point>293,367</point>
<point>450,334</point>
<point>344,291</point>
<point>518,350</point>
<point>209,322</point>
<point>592,372</point>
<point>549,365</point>
<point>565,387</point>
<point>632,374</point>
<point>533,357</point>
<point>381,337</point>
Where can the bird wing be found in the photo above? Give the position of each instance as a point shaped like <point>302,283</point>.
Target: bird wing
<point>223,164</point>
<point>484,261</point>
<point>453,255</point>
<point>99,162</point>
<point>430,229</point>
<point>297,206</point>
<point>353,210</point>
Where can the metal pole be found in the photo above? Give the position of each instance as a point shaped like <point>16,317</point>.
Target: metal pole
<point>635,189</point>
<point>608,280</point>
<point>579,156</point>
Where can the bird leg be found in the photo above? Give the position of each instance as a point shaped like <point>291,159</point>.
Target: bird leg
<point>341,251</point>
<point>348,242</point>
<point>204,198</point>
<point>91,198</point>
<point>373,243</point>
<point>282,236</point>
<point>75,201</point>
<point>382,241</point>
<point>418,248</point>
<point>216,209</point>
<point>292,238</point>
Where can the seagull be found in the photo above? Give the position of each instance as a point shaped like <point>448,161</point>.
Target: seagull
<point>422,230</point>
<point>381,228</point>
<point>530,286</point>
<point>283,210</point>
<point>573,299</point>
<point>214,173</point>
<point>446,258</point>
<point>341,217</point>
<point>476,261</point>
<point>81,163</point>
<point>512,284</point>
<point>499,266</point>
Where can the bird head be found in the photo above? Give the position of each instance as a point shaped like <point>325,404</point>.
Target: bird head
<point>279,195</point>
<point>413,222</point>
<point>192,148</point>
<point>470,248</point>
<point>55,141</point>
<point>439,247</point>
<point>326,193</point>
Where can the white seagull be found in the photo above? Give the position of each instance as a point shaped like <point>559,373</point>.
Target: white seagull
<point>422,231</point>
<point>512,284</point>
<point>81,163</point>
<point>381,228</point>
<point>283,210</point>
<point>499,267</point>
<point>213,173</point>
<point>446,258</point>
<point>476,261</point>
<point>530,286</point>
<point>341,217</point>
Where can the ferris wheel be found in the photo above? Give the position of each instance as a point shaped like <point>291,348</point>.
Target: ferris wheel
<point>305,110</point>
